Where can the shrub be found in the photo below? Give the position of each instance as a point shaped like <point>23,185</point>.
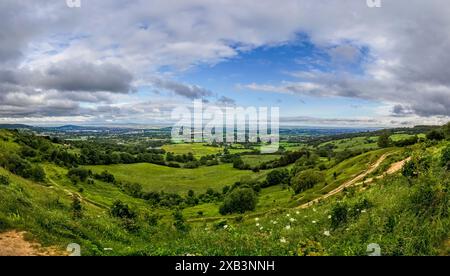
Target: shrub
<point>277,177</point>
<point>132,189</point>
<point>105,176</point>
<point>37,173</point>
<point>179,222</point>
<point>191,165</point>
<point>436,135</point>
<point>152,219</point>
<point>339,215</point>
<point>77,208</point>
<point>410,169</point>
<point>22,167</point>
<point>446,129</point>
<point>79,174</point>
<point>4,180</point>
<point>174,165</point>
<point>306,180</point>
<point>121,210</point>
<point>384,140</point>
<point>446,157</point>
<point>239,201</point>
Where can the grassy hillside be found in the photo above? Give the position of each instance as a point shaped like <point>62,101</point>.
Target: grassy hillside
<point>405,214</point>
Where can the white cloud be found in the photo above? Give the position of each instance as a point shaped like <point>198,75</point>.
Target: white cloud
<point>407,42</point>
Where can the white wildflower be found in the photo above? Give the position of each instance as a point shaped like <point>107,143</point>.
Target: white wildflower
<point>314,222</point>
<point>298,213</point>
<point>329,217</point>
<point>225,226</point>
<point>288,215</point>
<point>288,227</point>
<point>261,228</point>
<point>363,211</point>
<point>257,225</point>
<point>327,233</point>
<point>283,240</point>
<point>292,219</point>
<point>256,219</point>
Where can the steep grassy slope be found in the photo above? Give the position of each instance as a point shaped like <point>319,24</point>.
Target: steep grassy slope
<point>404,215</point>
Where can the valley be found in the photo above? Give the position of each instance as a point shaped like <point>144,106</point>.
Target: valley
<point>325,195</point>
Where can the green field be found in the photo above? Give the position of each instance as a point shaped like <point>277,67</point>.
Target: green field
<point>198,149</point>
<point>161,178</point>
<point>356,143</point>
<point>255,160</point>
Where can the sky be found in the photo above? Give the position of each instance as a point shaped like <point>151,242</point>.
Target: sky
<point>323,63</point>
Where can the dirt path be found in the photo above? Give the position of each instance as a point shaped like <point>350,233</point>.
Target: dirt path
<point>13,243</point>
<point>355,181</point>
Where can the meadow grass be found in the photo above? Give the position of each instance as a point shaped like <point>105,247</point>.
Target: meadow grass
<point>199,149</point>
<point>161,178</point>
<point>256,160</point>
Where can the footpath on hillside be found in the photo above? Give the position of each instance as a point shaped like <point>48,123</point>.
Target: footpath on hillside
<point>360,178</point>
<point>13,243</point>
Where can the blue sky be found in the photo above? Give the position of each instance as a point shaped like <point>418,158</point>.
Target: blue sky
<point>276,64</point>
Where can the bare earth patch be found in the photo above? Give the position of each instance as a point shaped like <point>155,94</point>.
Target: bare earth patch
<point>13,243</point>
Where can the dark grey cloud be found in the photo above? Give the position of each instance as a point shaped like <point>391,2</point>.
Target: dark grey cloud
<point>181,89</point>
<point>82,76</point>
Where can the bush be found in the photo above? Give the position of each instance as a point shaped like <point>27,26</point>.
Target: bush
<point>22,167</point>
<point>4,180</point>
<point>239,201</point>
<point>37,173</point>
<point>410,169</point>
<point>121,210</point>
<point>77,209</point>
<point>339,215</point>
<point>105,176</point>
<point>384,140</point>
<point>179,222</point>
<point>446,129</point>
<point>152,219</point>
<point>306,180</point>
<point>133,189</point>
<point>436,135</point>
<point>173,165</point>
<point>446,157</point>
<point>191,165</point>
<point>277,177</point>
<point>79,174</point>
